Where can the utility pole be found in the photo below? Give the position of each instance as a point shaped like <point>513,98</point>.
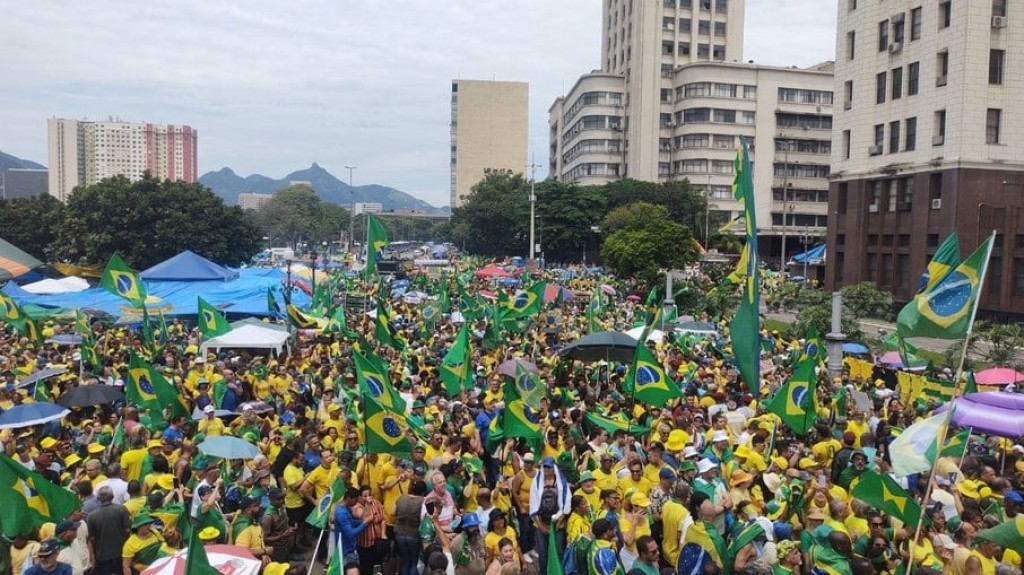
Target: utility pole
<point>352,213</point>
<point>533,210</point>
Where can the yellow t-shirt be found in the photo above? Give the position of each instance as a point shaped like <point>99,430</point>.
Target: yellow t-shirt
<point>640,486</point>
<point>825,451</point>
<point>576,526</point>
<point>251,538</point>
<point>492,539</point>
<point>211,427</point>
<point>605,480</point>
<point>320,479</point>
<point>643,528</point>
<point>858,429</point>
<point>292,497</point>
<point>673,514</point>
<point>134,544</point>
<point>594,497</point>
<point>131,461</point>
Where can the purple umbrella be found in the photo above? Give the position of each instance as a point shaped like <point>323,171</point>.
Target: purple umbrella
<point>509,367</point>
<point>995,413</point>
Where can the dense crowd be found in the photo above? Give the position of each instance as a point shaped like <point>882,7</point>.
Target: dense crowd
<point>710,483</point>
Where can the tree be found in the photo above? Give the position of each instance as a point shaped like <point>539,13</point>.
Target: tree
<point>148,221</point>
<point>495,219</point>
<point>642,239</point>
<point>296,214</point>
<point>32,223</point>
<point>1005,342</point>
<point>566,217</point>
<point>865,300</point>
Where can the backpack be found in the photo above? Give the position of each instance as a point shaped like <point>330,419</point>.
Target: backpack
<point>548,502</point>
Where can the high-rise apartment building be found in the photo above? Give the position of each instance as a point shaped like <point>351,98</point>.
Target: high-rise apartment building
<point>926,142</point>
<point>84,152</point>
<point>670,102</point>
<point>489,132</point>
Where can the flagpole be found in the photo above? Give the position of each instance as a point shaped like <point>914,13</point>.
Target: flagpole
<point>940,436</point>
<point>316,550</point>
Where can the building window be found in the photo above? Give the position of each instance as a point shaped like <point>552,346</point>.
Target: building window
<point>915,24</point>
<point>848,94</point>
<point>853,5</point>
<point>695,89</point>
<point>903,271</point>
<point>894,137</point>
<point>913,78</point>
<point>880,88</point>
<point>883,35</point>
<point>685,24</point>
<point>897,29</point>
<point>704,27</point>
<point>993,119</point>
<point>1018,277</point>
<point>996,58</point>
<point>886,278</point>
<point>995,277</point>
<point>725,116</point>
<point>697,115</point>
<point>719,52</point>
<point>719,28</point>
<point>703,51</point>
<point>897,83</point>
<point>851,44</point>
<point>872,264</point>
<point>667,48</point>
<point>910,138</point>
<point>879,135</point>
<point>945,13</point>
<point>999,8</point>
<point>684,49</point>
<point>941,67</point>
<point>721,6</point>
<point>846,144</point>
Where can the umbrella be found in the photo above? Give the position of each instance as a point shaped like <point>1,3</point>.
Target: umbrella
<point>492,271</point>
<point>257,406</point>
<point>88,395</point>
<point>198,414</point>
<point>606,345</point>
<point>855,347</point>
<point>698,327</point>
<point>14,262</point>
<point>656,335</point>
<point>998,376</point>
<point>66,339</point>
<point>992,412</point>
<point>893,360</point>
<point>508,281</point>
<point>633,297</point>
<point>231,559</point>
<point>607,289</point>
<point>556,293</point>
<point>28,414</point>
<point>509,367</point>
<point>41,375</point>
<point>227,447</point>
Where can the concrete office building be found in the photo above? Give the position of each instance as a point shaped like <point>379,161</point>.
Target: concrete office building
<point>85,152</point>
<point>670,102</point>
<point>253,201</point>
<point>927,141</point>
<point>489,132</point>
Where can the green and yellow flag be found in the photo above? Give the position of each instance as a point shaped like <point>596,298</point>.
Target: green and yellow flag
<point>882,492</point>
<point>321,514</point>
<point>945,259</point>
<point>147,387</point>
<point>372,378</point>
<point>611,425</point>
<point>455,366</point>
<point>386,430</point>
<point>376,240</point>
<point>794,402</point>
<point>212,323</point>
<point>196,560</point>
<point>82,327</point>
<point>518,419</point>
<point>526,302</point>
<point>745,329</point>
<point>9,311</point>
<point>946,310</point>
<point>384,331</point>
<point>30,499</point>
<point>647,381</point>
<point>120,280</point>
<point>1008,534</point>
<point>303,320</point>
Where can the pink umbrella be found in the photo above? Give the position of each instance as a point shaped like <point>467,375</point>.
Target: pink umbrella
<point>893,360</point>
<point>491,271</point>
<point>228,559</point>
<point>633,297</point>
<point>998,376</point>
<point>557,293</point>
<point>607,289</point>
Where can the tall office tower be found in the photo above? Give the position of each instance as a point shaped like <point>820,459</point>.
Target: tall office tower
<point>489,132</point>
<point>926,142</point>
<point>671,100</point>
<point>84,152</point>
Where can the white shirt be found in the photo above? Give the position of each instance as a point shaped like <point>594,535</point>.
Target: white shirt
<point>118,486</point>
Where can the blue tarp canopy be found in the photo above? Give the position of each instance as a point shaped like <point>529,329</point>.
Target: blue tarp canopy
<point>188,266</point>
<point>245,296</point>
<point>814,255</point>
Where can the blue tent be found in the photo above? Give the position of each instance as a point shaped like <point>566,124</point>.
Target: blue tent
<point>813,256</point>
<point>188,266</point>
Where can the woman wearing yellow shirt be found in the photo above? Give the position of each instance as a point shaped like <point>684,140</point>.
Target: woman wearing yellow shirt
<point>579,519</point>
<point>143,546</point>
<point>633,524</point>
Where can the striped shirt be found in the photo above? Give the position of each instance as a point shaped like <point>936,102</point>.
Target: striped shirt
<point>374,531</point>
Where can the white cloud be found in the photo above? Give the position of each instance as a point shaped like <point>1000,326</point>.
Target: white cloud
<point>273,86</point>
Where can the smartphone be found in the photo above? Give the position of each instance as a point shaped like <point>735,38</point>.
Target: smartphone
<point>821,481</point>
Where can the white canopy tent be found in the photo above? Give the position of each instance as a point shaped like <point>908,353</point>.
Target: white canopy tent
<point>56,286</point>
<point>250,337</point>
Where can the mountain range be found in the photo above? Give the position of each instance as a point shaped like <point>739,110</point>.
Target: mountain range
<point>8,161</point>
<point>227,184</point>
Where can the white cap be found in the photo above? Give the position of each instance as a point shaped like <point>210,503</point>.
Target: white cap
<point>690,451</point>
<point>208,409</point>
<point>1017,449</point>
<point>200,359</point>
<point>76,356</point>
<point>719,436</point>
<point>705,465</point>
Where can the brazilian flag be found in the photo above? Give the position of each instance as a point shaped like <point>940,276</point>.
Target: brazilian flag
<point>377,240</point>
<point>526,302</point>
<point>212,323</point>
<point>120,280</point>
<point>455,372</point>
<point>794,402</point>
<point>883,493</point>
<point>320,516</point>
<point>946,310</point>
<point>146,387</point>
<point>745,329</point>
<point>384,331</point>
<point>386,430</point>
<point>518,420</point>
<point>372,377</point>
<point>646,380</point>
<point>945,259</point>
<point>302,320</point>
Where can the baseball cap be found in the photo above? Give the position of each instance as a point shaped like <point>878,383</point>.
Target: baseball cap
<point>48,547</point>
<point>65,526</point>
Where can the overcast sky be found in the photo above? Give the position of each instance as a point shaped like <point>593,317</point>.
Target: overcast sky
<point>273,86</point>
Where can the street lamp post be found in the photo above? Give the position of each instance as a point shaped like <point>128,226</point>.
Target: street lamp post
<point>352,213</point>
<point>533,211</point>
